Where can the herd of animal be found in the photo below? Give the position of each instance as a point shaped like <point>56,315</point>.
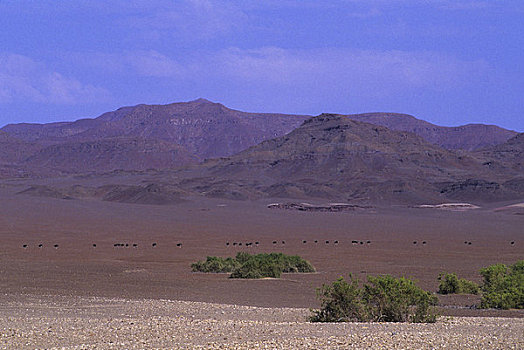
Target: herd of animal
<point>245,244</point>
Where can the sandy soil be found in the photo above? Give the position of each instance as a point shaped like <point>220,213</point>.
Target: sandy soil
<point>203,227</point>
<point>28,322</point>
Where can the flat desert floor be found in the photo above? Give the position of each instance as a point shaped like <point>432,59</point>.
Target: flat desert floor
<point>75,268</point>
<point>101,323</point>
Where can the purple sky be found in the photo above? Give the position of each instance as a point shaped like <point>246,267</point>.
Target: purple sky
<point>450,62</point>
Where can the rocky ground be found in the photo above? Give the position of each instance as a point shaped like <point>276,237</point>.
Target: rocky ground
<point>51,322</point>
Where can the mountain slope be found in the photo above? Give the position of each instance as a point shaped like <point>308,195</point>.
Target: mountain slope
<point>13,150</point>
<point>466,137</point>
<point>204,128</point>
<point>510,153</point>
<point>335,157</point>
<point>181,133</point>
<point>110,154</point>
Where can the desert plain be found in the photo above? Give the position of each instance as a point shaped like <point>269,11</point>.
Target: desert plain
<point>45,285</point>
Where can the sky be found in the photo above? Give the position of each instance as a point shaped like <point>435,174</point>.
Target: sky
<point>450,62</point>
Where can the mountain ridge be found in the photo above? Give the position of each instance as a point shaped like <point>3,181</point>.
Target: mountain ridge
<point>191,132</point>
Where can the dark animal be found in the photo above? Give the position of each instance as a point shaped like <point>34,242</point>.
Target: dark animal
<point>327,242</point>
<point>316,241</point>
<point>227,243</point>
<point>336,242</point>
<point>414,242</point>
<point>304,242</point>
<point>56,246</point>
<point>135,245</point>
<point>368,242</point>
<point>424,242</point>
<point>24,246</point>
<point>153,245</point>
<point>257,243</point>
<point>179,245</point>
<point>40,245</point>
<point>274,242</point>
<point>94,245</point>
<point>354,242</point>
<point>512,243</point>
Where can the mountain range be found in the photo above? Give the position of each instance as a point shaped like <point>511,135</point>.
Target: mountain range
<point>167,135</point>
<point>467,137</point>
<point>337,158</point>
<point>373,157</point>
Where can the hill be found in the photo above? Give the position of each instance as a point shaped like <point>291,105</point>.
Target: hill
<point>467,137</point>
<point>203,128</point>
<point>108,154</point>
<point>335,157</point>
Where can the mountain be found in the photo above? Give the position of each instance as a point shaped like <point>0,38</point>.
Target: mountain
<point>167,136</point>
<point>109,154</point>
<point>13,150</point>
<point>510,153</point>
<point>203,128</point>
<point>507,157</point>
<point>467,137</point>
<point>338,158</point>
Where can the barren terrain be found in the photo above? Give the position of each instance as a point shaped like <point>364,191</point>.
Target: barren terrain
<point>203,226</point>
<point>62,294</point>
<point>99,323</point>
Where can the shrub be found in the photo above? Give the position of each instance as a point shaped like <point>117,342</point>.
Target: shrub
<point>215,264</point>
<point>340,302</point>
<point>381,299</point>
<point>503,286</point>
<point>245,265</point>
<point>451,284</point>
<point>391,299</point>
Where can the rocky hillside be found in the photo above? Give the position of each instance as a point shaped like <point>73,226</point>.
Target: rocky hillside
<point>467,137</point>
<point>160,136</point>
<point>109,154</point>
<point>335,157</point>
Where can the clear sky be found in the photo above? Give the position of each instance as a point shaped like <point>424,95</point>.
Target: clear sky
<point>450,62</point>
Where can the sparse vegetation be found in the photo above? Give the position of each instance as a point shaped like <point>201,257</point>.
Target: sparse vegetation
<point>451,284</point>
<point>245,265</point>
<point>215,264</point>
<point>503,286</point>
<point>382,299</point>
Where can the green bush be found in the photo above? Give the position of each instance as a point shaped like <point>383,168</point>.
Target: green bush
<point>215,264</point>
<point>451,284</point>
<point>381,299</point>
<point>245,265</point>
<point>503,286</point>
<point>340,302</point>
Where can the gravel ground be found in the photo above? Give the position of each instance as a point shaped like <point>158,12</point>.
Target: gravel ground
<point>35,322</point>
